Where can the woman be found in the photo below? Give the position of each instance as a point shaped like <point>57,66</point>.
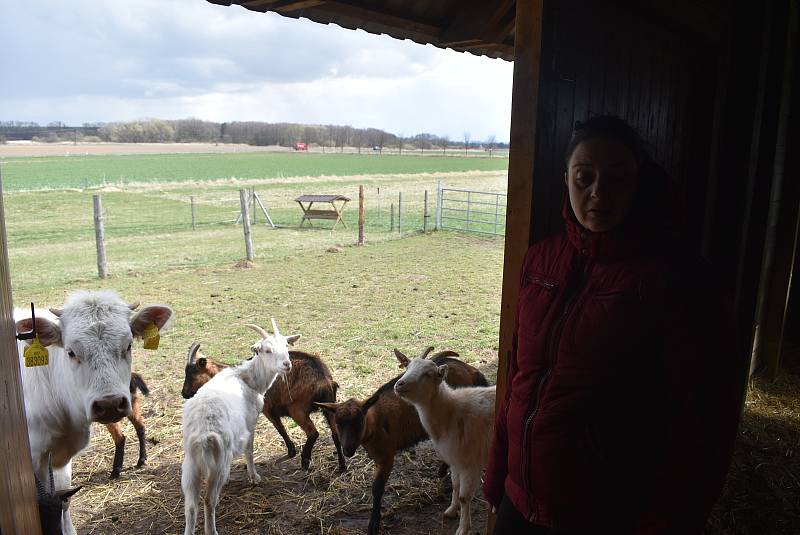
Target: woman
<point>623,392</point>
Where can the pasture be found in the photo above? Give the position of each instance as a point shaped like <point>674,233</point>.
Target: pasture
<point>351,304</point>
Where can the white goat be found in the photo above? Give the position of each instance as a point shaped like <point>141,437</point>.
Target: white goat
<point>460,423</point>
<point>219,421</point>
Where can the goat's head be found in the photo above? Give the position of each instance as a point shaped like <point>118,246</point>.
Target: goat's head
<point>350,419</point>
<point>52,503</point>
<point>421,379</point>
<point>199,370</point>
<point>274,348</point>
<point>96,330</point>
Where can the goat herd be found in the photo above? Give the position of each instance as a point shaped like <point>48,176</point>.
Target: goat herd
<point>88,378</point>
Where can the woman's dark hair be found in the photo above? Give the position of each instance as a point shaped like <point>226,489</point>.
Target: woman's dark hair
<point>608,126</point>
<point>656,197</point>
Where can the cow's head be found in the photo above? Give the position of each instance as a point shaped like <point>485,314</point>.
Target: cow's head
<point>96,330</point>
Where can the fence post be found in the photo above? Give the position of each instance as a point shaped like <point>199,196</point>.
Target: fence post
<point>400,213</point>
<point>194,224</point>
<point>361,215</point>
<point>439,202</point>
<point>425,214</point>
<point>248,240</point>
<point>391,220</point>
<point>99,237</point>
<point>253,200</point>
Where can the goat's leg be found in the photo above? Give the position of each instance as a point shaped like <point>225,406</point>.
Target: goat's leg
<point>383,468</point>
<point>252,473</point>
<point>138,424</point>
<point>215,483</point>
<point>468,483</point>
<point>307,425</point>
<point>331,419</point>
<point>118,437</point>
<point>455,477</point>
<point>291,451</point>
<point>190,483</point>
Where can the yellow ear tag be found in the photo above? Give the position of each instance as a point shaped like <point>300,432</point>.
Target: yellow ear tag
<point>35,354</point>
<point>151,336</point>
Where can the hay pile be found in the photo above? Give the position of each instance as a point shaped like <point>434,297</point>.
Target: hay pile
<point>287,501</point>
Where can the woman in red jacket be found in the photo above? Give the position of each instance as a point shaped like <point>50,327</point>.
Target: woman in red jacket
<point>624,391</point>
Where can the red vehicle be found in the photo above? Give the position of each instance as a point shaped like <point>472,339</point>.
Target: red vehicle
<point>300,146</point>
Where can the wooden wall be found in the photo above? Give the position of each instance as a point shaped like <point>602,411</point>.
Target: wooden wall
<point>630,64</point>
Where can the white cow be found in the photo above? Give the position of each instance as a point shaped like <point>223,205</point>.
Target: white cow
<point>87,378</point>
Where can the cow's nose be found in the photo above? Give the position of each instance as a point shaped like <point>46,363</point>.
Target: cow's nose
<point>110,409</point>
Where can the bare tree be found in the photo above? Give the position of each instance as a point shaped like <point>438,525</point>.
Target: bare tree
<point>466,142</point>
<point>490,141</point>
<point>445,143</point>
<point>400,142</point>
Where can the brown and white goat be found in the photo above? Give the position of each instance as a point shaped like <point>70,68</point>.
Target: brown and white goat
<point>292,395</point>
<point>135,417</point>
<point>385,424</point>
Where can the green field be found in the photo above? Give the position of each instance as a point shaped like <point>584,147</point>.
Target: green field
<point>31,173</point>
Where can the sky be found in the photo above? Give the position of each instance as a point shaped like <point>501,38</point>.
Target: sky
<point>88,61</point>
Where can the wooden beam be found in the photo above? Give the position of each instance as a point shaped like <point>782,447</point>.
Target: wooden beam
<point>524,101</point>
<point>18,505</point>
<point>388,19</point>
<point>478,20</point>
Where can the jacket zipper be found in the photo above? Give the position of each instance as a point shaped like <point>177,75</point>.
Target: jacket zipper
<point>552,345</point>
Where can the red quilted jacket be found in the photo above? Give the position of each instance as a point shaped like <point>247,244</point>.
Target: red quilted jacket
<point>624,391</point>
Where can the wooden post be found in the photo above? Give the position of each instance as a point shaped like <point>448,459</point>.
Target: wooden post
<point>521,175</point>
<point>99,237</point>
<point>439,205</point>
<point>425,214</point>
<point>248,240</point>
<point>391,219</point>
<point>194,224</point>
<point>253,201</point>
<point>361,215</point>
<point>400,213</point>
<point>18,505</point>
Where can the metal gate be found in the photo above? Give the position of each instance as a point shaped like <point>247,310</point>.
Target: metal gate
<point>471,211</point>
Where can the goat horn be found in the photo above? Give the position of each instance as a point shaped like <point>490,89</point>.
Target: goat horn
<point>193,352</point>
<point>50,472</point>
<point>426,352</point>
<point>275,327</point>
<point>134,305</point>
<point>445,353</point>
<point>259,330</point>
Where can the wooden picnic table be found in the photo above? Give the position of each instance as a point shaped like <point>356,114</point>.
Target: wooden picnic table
<point>334,213</point>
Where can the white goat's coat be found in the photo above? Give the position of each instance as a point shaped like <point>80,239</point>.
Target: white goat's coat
<point>59,396</point>
<point>460,422</point>
<point>218,425</point>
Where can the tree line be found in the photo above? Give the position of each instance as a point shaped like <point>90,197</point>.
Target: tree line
<point>245,132</point>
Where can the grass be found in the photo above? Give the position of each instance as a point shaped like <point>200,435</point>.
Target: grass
<point>26,173</point>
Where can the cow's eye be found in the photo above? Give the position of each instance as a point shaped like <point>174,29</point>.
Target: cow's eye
<point>73,356</point>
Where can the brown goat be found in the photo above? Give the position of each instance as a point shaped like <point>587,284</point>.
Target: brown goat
<point>294,395</point>
<point>385,424</point>
<point>137,385</point>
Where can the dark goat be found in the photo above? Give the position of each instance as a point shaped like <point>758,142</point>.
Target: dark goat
<point>294,395</point>
<point>137,385</point>
<point>52,504</point>
<point>385,424</point>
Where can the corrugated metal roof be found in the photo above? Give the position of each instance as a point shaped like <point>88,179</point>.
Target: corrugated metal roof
<point>480,27</point>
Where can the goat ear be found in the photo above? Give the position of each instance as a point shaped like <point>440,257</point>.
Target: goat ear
<point>443,372</point>
<point>201,362</point>
<point>401,358</point>
<point>65,495</point>
<point>156,314</point>
<point>332,407</point>
<point>57,311</point>
<point>49,333</point>
<point>292,339</point>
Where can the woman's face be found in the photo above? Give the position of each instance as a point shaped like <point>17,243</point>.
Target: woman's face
<point>602,177</point>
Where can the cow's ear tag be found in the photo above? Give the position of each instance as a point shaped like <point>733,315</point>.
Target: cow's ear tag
<point>151,336</point>
<point>35,354</point>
